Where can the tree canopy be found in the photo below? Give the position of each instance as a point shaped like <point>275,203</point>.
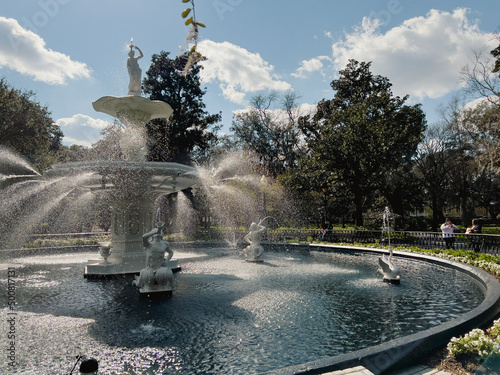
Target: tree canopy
<point>27,128</point>
<point>271,134</point>
<point>361,135</point>
<point>188,128</point>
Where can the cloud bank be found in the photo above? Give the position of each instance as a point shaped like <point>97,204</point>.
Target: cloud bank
<point>81,129</point>
<point>25,52</point>
<point>237,70</point>
<point>422,57</point>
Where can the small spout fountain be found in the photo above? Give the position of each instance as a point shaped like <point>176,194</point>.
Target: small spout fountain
<point>132,184</point>
<point>253,252</point>
<point>389,271</point>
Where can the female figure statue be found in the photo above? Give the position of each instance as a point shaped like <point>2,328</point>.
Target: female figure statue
<point>134,71</point>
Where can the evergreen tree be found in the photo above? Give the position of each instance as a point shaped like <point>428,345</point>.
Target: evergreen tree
<point>362,135</point>
<point>174,139</point>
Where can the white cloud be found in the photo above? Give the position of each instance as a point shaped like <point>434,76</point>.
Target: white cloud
<point>25,52</point>
<point>81,129</point>
<point>422,57</point>
<point>309,66</point>
<point>237,70</point>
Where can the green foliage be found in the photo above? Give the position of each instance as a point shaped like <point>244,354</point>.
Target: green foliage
<point>188,128</point>
<point>55,242</point>
<point>496,54</point>
<point>193,55</point>
<point>361,136</point>
<point>27,128</point>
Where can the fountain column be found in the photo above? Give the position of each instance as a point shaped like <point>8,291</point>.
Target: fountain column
<point>132,184</point>
<point>129,220</point>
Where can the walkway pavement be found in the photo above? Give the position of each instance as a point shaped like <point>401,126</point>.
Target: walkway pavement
<point>415,370</point>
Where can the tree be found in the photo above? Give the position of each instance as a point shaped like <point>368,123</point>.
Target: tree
<point>432,171</point>
<point>482,125</point>
<point>27,128</point>
<point>479,78</point>
<point>271,134</point>
<point>188,128</point>
<point>363,134</point>
<point>496,54</point>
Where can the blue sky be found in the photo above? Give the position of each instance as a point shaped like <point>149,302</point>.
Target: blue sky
<point>72,52</point>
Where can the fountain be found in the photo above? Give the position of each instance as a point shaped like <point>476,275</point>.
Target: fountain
<point>303,304</point>
<point>132,184</point>
<point>227,316</point>
<point>389,271</point>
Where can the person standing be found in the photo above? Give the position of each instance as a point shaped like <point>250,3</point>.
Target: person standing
<point>475,240</point>
<point>448,229</point>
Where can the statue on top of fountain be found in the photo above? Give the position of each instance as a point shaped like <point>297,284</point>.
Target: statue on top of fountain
<point>253,252</point>
<point>157,277</point>
<point>134,71</point>
<point>133,110</point>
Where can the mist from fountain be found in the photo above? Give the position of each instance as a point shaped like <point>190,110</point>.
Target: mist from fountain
<point>13,163</point>
<point>238,194</point>
<point>25,205</point>
<point>185,217</point>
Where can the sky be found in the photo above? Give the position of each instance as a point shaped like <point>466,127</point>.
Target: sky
<point>72,52</point>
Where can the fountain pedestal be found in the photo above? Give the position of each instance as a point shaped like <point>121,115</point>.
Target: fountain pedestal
<point>129,220</point>
<point>133,188</point>
<point>132,184</point>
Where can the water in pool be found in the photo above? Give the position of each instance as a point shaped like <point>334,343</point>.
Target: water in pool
<point>226,316</point>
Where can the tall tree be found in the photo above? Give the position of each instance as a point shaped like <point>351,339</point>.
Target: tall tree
<point>188,128</point>
<point>363,134</point>
<point>27,128</point>
<point>479,77</point>
<point>271,133</point>
<point>482,125</point>
<point>433,172</point>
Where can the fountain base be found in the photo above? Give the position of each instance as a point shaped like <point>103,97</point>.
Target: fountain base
<point>95,269</point>
<point>395,281</point>
<point>155,292</point>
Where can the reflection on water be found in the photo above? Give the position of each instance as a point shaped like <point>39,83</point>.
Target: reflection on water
<point>226,316</point>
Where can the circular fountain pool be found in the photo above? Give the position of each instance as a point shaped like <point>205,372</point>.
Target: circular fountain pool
<point>226,316</point>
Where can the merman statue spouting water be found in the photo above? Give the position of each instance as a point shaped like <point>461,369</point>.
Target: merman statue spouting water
<point>157,277</point>
<point>253,252</point>
<point>389,271</point>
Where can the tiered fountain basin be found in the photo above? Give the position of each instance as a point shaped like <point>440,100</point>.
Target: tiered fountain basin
<point>133,187</point>
<point>304,309</point>
<point>135,108</point>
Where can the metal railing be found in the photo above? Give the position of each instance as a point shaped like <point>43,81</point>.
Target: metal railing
<point>484,243</point>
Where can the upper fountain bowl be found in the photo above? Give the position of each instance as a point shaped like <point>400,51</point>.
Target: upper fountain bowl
<point>133,108</point>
